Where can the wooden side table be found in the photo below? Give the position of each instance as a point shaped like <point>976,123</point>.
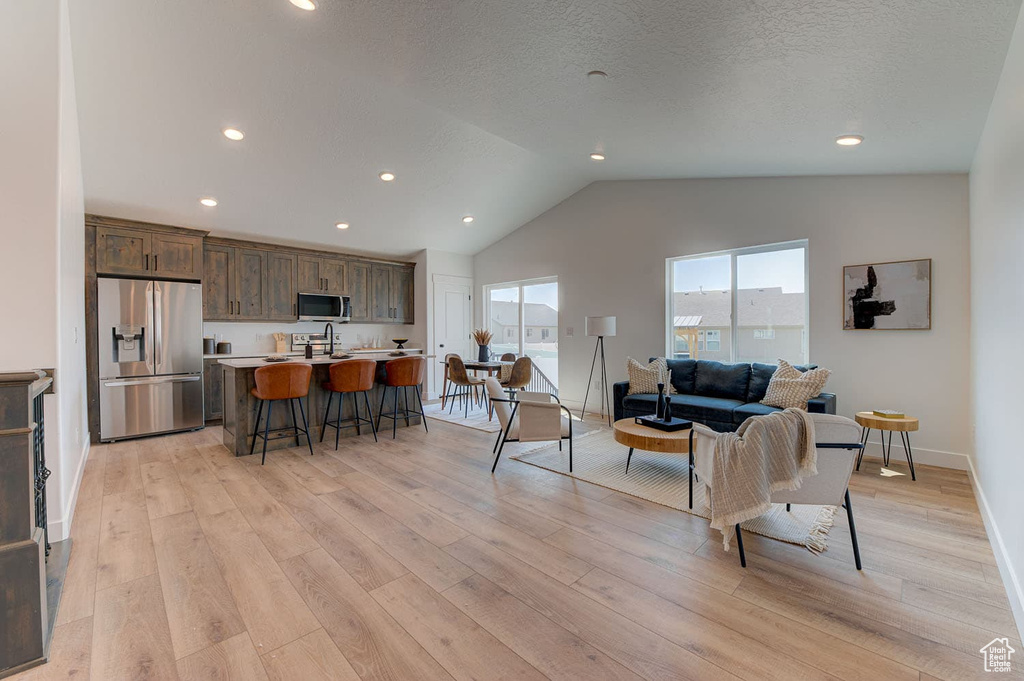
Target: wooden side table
<point>631,434</point>
<point>904,426</point>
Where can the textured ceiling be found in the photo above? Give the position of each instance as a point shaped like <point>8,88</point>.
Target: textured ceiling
<point>483,107</point>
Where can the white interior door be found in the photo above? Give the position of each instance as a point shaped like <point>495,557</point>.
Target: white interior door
<point>453,321</point>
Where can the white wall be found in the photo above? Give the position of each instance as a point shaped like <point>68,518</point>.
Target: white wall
<point>43,259</point>
<point>997,316</point>
<point>608,243</point>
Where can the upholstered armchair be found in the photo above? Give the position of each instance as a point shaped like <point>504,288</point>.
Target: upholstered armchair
<point>528,417</point>
<point>838,442</point>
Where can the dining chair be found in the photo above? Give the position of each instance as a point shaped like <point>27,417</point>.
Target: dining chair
<point>837,440</point>
<point>519,377</point>
<point>463,384</point>
<point>508,357</point>
<point>528,417</point>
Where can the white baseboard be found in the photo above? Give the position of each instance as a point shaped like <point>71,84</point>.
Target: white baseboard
<point>1006,571</point>
<point>929,457</point>
<point>60,529</point>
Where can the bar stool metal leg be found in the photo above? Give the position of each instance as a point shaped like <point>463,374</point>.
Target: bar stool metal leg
<point>295,423</point>
<point>369,413</point>
<point>266,431</point>
<point>419,401</point>
<point>256,430</point>
<point>394,417</point>
<point>327,414</point>
<point>337,428</point>
<point>305,425</point>
<point>380,412</point>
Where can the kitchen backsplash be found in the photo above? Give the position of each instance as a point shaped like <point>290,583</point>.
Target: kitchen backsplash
<point>258,337</point>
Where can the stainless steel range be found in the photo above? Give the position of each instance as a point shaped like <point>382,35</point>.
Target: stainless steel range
<point>319,341</point>
<point>150,357</point>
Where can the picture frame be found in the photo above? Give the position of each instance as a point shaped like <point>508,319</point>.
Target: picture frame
<point>888,296</point>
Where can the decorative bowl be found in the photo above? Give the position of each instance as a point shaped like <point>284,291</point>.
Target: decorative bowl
<point>400,342</point>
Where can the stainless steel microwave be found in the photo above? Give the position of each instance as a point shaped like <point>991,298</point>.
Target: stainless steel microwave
<point>324,307</point>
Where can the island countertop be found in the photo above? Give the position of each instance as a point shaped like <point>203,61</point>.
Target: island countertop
<point>382,356</point>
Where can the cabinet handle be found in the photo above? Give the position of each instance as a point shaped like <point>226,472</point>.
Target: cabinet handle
<point>238,307</point>
<point>327,284</point>
<point>147,261</point>
<point>294,312</point>
<point>231,307</point>
<point>156,263</point>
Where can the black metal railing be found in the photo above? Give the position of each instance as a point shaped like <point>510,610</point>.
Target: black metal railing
<point>41,471</point>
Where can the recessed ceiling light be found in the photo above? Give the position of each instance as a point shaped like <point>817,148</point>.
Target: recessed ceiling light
<point>596,156</point>
<point>307,5</point>
<point>234,134</point>
<point>596,74</point>
<point>849,140</point>
<point>341,225</point>
<point>386,176</point>
<point>468,219</point>
<point>208,201</point>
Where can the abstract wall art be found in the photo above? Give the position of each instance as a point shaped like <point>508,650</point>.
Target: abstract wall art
<point>888,295</point>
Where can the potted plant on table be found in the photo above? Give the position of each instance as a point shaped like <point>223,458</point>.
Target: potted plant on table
<point>483,340</point>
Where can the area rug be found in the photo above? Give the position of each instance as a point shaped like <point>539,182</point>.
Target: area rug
<point>662,479</point>
<point>477,419</point>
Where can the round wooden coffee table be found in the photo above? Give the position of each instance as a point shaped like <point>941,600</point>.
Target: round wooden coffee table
<point>631,434</point>
<point>904,426</point>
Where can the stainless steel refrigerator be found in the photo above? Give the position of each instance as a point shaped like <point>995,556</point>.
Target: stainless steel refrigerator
<point>150,357</point>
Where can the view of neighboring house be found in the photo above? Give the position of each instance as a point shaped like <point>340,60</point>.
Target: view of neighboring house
<point>770,324</point>
<point>540,323</point>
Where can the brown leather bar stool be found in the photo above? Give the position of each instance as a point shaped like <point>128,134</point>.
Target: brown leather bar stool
<point>404,373</point>
<point>281,382</point>
<point>349,378</point>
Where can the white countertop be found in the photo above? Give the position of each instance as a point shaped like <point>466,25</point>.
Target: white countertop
<point>257,361</point>
<point>299,353</point>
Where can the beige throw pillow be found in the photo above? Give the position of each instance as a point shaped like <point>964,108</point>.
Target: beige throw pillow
<point>791,388</point>
<point>644,379</point>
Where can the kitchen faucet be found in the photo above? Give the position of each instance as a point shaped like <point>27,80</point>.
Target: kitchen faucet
<point>329,332</point>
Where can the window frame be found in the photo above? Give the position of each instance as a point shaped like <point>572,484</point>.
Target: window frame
<point>733,254</point>
<point>520,284</point>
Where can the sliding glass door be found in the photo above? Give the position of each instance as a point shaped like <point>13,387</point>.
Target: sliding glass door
<point>523,318</point>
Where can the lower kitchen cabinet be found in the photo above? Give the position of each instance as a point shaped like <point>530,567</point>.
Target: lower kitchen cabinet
<point>213,390</point>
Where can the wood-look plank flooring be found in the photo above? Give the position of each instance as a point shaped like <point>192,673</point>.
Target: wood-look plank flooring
<point>407,560</point>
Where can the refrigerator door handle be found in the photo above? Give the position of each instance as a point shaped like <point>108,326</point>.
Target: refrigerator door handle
<point>151,381</point>
<point>158,327</point>
<point>150,340</point>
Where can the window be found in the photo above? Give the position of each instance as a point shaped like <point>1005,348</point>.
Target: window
<point>745,305</point>
<point>515,311</point>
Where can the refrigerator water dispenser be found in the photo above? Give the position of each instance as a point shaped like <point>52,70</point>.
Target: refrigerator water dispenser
<point>129,344</point>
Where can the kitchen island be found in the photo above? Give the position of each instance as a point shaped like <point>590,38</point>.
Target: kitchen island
<point>240,406</point>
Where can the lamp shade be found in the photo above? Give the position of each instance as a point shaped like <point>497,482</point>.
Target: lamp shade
<point>600,326</point>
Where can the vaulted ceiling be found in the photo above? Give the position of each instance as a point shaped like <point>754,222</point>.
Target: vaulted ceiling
<point>484,107</point>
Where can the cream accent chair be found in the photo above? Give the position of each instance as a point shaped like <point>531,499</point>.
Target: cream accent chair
<point>530,417</point>
<point>838,443</point>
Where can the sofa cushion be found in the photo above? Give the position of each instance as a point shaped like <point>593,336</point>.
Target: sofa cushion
<point>704,409</point>
<point>644,380</point>
<point>745,411</point>
<point>792,388</point>
<point>761,376</point>
<point>726,381</point>
<point>641,404</point>
<point>684,375</point>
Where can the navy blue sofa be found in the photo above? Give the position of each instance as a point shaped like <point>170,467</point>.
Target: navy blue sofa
<point>719,395</point>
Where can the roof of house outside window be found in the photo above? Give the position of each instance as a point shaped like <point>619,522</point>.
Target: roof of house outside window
<point>754,307</point>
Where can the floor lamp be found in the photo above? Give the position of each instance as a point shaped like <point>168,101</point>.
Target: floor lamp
<point>600,327</point>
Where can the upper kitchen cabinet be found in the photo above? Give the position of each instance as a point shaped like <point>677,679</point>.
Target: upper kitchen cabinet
<point>252,299</point>
<point>218,282</point>
<point>326,274</point>
<point>391,293</point>
<point>137,249</point>
<point>359,290</point>
<point>281,288</point>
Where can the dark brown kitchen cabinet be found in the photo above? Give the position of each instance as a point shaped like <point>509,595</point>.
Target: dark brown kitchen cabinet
<point>177,256</point>
<point>122,251</point>
<point>251,294</point>
<point>282,298</point>
<point>359,290</point>
<point>218,282</point>
<point>213,390</point>
<point>166,255</point>
<point>322,275</point>
<point>391,293</point>
<point>310,279</point>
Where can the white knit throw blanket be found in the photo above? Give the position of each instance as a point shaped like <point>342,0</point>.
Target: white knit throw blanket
<point>767,454</point>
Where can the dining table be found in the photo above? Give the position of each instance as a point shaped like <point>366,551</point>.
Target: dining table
<point>491,367</point>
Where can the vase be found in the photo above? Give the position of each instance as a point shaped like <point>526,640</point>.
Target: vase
<point>484,354</point>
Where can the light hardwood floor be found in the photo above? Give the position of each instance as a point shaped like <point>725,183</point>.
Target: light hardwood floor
<point>406,559</point>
